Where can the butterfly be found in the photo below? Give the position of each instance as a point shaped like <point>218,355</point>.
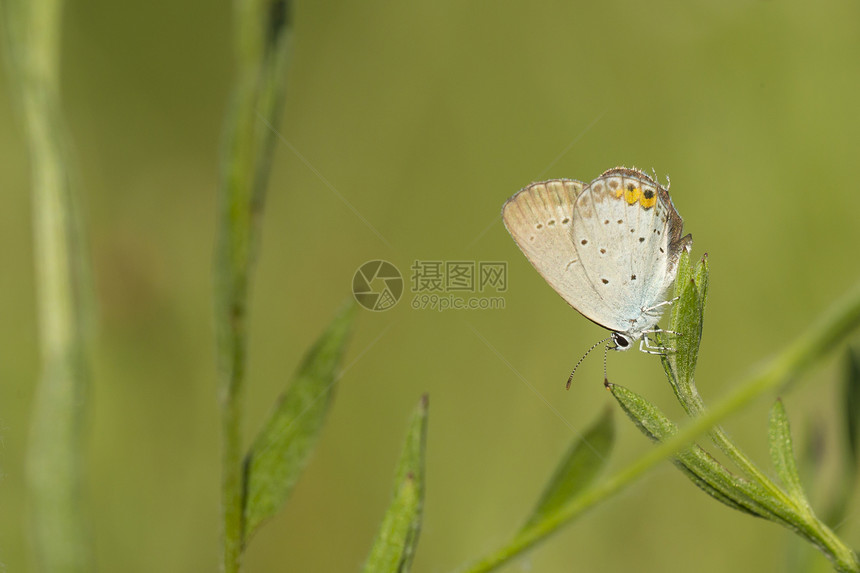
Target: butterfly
<point>609,248</point>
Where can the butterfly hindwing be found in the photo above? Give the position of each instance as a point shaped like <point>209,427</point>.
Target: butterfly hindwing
<point>540,219</point>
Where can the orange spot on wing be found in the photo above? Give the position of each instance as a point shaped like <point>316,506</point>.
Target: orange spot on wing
<point>632,195</point>
<point>646,202</point>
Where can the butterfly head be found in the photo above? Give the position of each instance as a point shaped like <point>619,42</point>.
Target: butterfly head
<point>622,341</point>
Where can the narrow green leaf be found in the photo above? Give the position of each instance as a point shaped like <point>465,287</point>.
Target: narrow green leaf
<point>397,538</point>
<point>851,406</point>
<point>682,278</point>
<point>782,453</point>
<point>686,320</point>
<point>702,280</point>
<point>585,458</point>
<point>839,495</point>
<point>699,466</point>
<point>282,447</point>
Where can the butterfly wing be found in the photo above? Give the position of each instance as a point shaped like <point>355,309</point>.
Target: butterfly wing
<point>540,219</point>
<point>627,235</point>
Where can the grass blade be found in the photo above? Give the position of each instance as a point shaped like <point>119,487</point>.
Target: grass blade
<point>282,447</point>
<point>584,459</point>
<point>397,538</point>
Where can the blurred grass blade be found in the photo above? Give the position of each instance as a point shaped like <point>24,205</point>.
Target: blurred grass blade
<point>584,459</point>
<point>699,466</point>
<point>397,538</point>
<point>282,448</point>
<point>782,453</point>
<point>262,45</point>
<point>840,494</point>
<point>851,406</point>
<point>55,456</point>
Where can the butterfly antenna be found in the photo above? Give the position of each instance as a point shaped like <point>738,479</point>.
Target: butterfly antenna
<point>605,376</point>
<point>587,352</point>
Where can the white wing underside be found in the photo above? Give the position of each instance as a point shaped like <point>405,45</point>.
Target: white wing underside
<point>579,239</point>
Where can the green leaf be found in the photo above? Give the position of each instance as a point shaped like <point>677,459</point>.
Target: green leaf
<point>701,276</point>
<point>585,458</point>
<point>691,287</point>
<point>782,453</point>
<point>851,406</point>
<point>699,466</point>
<point>398,535</point>
<point>839,494</point>
<point>282,447</point>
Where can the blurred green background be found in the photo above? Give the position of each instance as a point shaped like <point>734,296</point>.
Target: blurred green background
<point>425,117</point>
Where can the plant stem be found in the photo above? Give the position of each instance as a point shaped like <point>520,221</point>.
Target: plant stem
<point>261,44</point>
<point>844,560</point>
<point>809,347</point>
<point>54,468</point>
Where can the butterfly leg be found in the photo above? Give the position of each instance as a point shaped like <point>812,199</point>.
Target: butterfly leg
<point>658,305</point>
<point>646,346</point>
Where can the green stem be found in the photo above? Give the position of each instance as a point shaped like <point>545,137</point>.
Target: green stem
<point>231,457</point>
<point>261,44</point>
<point>55,453</point>
<point>841,556</point>
<point>808,348</point>
<point>790,511</point>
